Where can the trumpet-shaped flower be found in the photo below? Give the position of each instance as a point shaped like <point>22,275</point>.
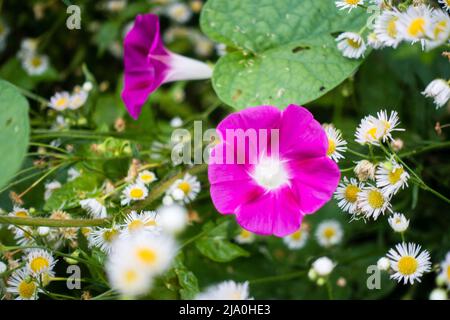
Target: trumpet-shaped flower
<point>148,64</point>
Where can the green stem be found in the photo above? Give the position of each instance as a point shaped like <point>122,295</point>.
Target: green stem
<point>356,153</point>
<point>425,149</point>
<point>281,277</point>
<point>329,290</point>
<point>420,182</point>
<point>46,222</point>
<point>32,96</point>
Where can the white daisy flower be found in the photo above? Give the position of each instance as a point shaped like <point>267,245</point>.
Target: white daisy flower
<point>329,233</point>
<point>147,251</point>
<point>43,231</point>
<point>391,177</point>
<point>445,269</point>
<point>348,4</point>
<point>18,212</point>
<point>446,4</point>
<point>383,264</point>
<point>390,123</point>
<point>77,99</point>
<point>298,239</point>
<point>398,222</point>
<point>185,189</point>
<point>347,194</point>
<point>221,49</point>
<point>439,30</point>
<point>128,279</point>
<point>374,41</point>
<point>103,238</point>
<point>134,192</point>
<point>323,266</point>
<point>203,46</point>
<point>245,237</point>
<point>365,170</point>
<point>138,222</point>
<point>386,28</point>
<point>146,177</point>
<point>60,101</point>
<point>370,131</point>
<point>96,209</point>
<point>23,235</point>
<point>227,290</point>
<point>351,45</point>
<point>414,23</point>
<point>28,46</point>
<point>23,286</point>
<point>408,263</point>
<point>179,12</point>
<point>35,64</point>
<point>40,262</point>
<point>373,202</point>
<point>438,294</point>
<point>439,90</point>
<point>336,144</point>
<point>173,219</point>
<point>50,187</point>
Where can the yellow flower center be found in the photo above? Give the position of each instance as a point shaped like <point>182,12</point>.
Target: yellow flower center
<point>297,235</point>
<point>110,235</point>
<point>448,273</point>
<point>150,223</point>
<point>392,27</point>
<point>372,133</point>
<point>26,289</point>
<point>440,27</point>
<point>354,44</point>
<point>21,214</point>
<point>130,276</point>
<point>375,199</point>
<point>351,193</point>
<point>417,27</point>
<point>146,255</point>
<point>185,187</point>
<point>352,2</point>
<point>395,175</point>
<point>135,225</point>
<point>61,102</point>
<point>36,62</point>
<point>136,193</point>
<point>147,178</point>
<point>245,234</point>
<point>407,265</point>
<point>39,263</point>
<point>329,233</point>
<point>331,147</point>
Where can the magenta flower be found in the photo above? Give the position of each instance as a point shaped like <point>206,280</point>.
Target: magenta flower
<point>148,64</point>
<point>279,181</point>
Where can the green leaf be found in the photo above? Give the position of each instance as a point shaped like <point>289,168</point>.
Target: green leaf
<point>286,52</point>
<point>186,279</point>
<point>215,245</point>
<point>14,130</point>
<point>70,194</point>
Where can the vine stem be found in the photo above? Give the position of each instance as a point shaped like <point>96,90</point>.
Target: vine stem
<point>425,149</point>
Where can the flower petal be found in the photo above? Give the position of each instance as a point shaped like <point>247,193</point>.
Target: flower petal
<point>301,136</point>
<point>275,212</point>
<point>314,182</point>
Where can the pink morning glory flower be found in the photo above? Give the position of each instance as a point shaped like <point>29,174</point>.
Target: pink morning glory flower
<point>277,182</point>
<point>148,64</point>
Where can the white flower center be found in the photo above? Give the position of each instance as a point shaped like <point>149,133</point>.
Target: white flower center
<point>270,173</point>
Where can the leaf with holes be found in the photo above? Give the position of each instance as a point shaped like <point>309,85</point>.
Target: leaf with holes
<point>14,130</point>
<point>286,51</point>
